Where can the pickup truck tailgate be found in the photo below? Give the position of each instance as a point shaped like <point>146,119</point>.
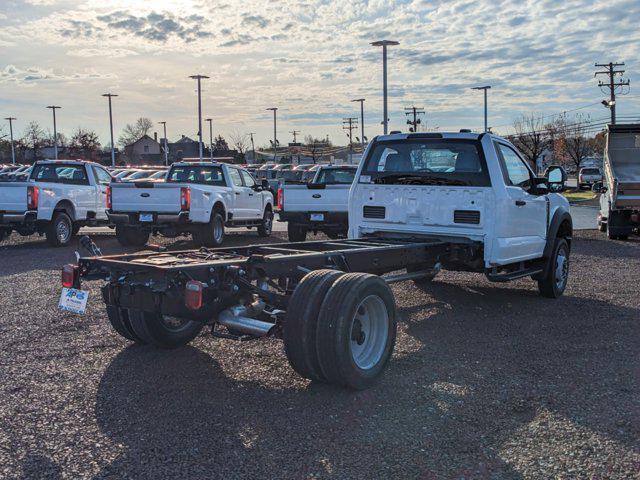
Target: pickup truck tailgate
<point>13,197</point>
<point>145,197</point>
<point>302,198</point>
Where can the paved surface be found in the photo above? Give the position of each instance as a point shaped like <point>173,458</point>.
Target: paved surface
<point>584,218</point>
<point>487,381</point>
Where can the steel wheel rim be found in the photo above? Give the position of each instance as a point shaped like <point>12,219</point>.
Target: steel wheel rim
<point>369,332</point>
<point>174,324</point>
<point>562,268</point>
<point>63,231</point>
<point>217,231</point>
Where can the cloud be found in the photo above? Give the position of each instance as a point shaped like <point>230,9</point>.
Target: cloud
<point>102,52</point>
<point>31,75</point>
<point>157,27</point>
<point>257,20</point>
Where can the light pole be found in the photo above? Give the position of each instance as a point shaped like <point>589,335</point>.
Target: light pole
<point>55,131</point>
<point>166,147</point>
<point>210,120</point>
<point>253,146</point>
<point>13,150</point>
<point>113,148</point>
<point>384,44</point>
<point>275,136</point>
<point>485,88</point>
<point>199,78</point>
<point>361,100</point>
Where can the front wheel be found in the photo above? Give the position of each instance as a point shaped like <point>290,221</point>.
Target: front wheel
<point>161,330</point>
<point>265,228</point>
<point>554,282</point>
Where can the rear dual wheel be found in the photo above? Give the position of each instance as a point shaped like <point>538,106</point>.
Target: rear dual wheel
<point>212,233</point>
<point>341,328</point>
<point>129,236</point>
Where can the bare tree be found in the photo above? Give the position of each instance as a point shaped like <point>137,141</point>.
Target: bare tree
<point>530,137</point>
<point>570,144</point>
<point>34,138</point>
<point>315,147</point>
<point>133,132</point>
<point>240,142</point>
<point>84,144</point>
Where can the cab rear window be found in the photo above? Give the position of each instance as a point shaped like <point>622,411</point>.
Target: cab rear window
<point>60,173</point>
<point>336,176</point>
<point>197,174</point>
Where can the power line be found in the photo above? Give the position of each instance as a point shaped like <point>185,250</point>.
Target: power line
<point>611,85</point>
<point>415,111</point>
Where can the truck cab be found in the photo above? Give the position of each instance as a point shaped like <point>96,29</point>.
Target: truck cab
<point>467,188</point>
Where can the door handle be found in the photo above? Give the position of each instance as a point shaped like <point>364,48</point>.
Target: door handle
<point>521,203</point>
<point>237,193</point>
<point>251,194</point>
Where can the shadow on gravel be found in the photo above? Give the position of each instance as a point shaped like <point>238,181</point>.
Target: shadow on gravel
<point>605,248</point>
<point>38,466</point>
<point>518,354</point>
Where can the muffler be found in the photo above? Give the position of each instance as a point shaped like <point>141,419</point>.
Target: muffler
<point>236,318</point>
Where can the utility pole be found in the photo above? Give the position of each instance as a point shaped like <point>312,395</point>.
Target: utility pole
<point>166,147</point>
<point>198,78</point>
<point>485,88</point>
<point>349,124</point>
<point>415,111</point>
<point>210,120</point>
<point>113,148</point>
<point>384,44</point>
<point>253,146</point>
<point>13,150</point>
<point>362,138</point>
<point>275,136</point>
<point>611,85</point>
<point>295,135</point>
<point>55,131</point>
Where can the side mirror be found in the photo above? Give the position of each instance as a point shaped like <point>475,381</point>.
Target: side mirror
<point>556,179</point>
<point>264,184</point>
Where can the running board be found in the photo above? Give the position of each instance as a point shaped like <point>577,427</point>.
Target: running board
<point>508,276</point>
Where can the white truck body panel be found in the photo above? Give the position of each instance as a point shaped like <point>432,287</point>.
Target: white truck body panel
<point>301,198</point>
<point>13,197</point>
<point>512,223</point>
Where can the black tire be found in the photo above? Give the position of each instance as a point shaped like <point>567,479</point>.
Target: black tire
<point>296,233</point>
<point>3,234</point>
<point>602,226</point>
<point>301,323</point>
<point>131,236</point>
<point>212,233</point>
<point>119,318</point>
<point>549,285</point>
<point>59,231</point>
<point>264,229</point>
<point>427,279</point>
<point>153,328</point>
<point>337,323</point>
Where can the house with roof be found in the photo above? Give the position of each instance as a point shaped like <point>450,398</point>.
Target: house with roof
<point>144,151</point>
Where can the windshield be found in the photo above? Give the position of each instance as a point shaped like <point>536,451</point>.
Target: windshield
<point>426,161</point>
<point>336,176</point>
<point>291,175</point>
<point>590,171</point>
<point>138,175</point>
<point>197,174</point>
<point>159,174</point>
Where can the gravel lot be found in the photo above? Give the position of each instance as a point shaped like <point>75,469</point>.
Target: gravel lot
<point>487,381</point>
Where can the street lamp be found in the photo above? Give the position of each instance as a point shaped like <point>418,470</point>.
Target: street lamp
<point>166,147</point>
<point>210,120</point>
<point>485,88</point>
<point>199,78</point>
<point>384,44</point>
<point>361,100</point>
<point>55,131</point>
<point>13,150</point>
<point>275,136</point>
<point>113,148</point>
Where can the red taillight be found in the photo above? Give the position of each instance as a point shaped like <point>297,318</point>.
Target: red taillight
<point>193,294</point>
<point>280,198</point>
<point>69,275</point>
<point>32,198</point>
<point>108,199</point>
<point>185,198</point>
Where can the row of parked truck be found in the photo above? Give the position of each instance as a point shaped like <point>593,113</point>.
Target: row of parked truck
<point>196,198</point>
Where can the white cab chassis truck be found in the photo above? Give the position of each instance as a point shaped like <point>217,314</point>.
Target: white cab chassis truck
<point>197,198</point>
<point>60,197</point>
<point>420,203</point>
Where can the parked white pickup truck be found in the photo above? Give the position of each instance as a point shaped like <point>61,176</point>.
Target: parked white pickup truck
<point>317,206</point>
<point>197,198</point>
<point>59,197</point>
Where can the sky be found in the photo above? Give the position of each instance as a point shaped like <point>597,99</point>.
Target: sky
<point>309,58</point>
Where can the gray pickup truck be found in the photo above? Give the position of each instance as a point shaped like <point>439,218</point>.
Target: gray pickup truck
<point>619,213</point>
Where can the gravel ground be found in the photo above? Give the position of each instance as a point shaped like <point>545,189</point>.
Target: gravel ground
<point>487,381</point>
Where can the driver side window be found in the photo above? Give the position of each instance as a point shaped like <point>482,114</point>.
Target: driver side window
<point>249,181</point>
<point>516,171</point>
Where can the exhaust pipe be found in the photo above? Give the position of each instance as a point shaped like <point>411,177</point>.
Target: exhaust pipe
<point>236,318</point>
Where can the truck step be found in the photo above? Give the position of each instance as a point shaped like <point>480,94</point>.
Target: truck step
<point>508,276</point>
